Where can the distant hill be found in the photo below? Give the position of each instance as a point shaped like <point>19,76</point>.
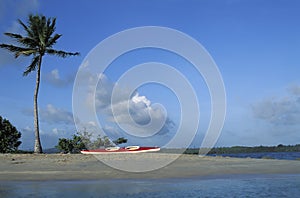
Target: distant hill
<point>51,150</point>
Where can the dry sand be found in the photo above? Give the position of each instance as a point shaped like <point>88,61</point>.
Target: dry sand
<point>85,167</point>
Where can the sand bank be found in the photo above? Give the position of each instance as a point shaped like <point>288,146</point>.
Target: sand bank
<point>84,167</point>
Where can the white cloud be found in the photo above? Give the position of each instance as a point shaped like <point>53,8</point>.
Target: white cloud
<point>52,115</point>
<point>280,111</point>
<point>63,131</point>
<point>55,131</point>
<point>27,129</point>
<point>49,137</point>
<point>55,74</point>
<point>91,123</point>
<point>294,89</point>
<point>131,111</point>
<point>55,79</point>
<point>112,131</point>
<point>141,99</point>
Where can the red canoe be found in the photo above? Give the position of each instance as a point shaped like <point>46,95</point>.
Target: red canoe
<point>128,149</point>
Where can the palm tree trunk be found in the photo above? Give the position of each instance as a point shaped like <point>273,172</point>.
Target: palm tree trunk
<point>37,142</point>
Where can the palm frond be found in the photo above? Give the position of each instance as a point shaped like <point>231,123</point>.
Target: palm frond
<point>50,29</point>
<point>27,52</point>
<point>12,35</point>
<point>27,29</point>
<point>26,41</point>
<point>42,31</point>
<point>29,42</point>
<point>18,50</point>
<point>61,53</point>
<point>32,66</point>
<point>33,24</point>
<point>53,40</point>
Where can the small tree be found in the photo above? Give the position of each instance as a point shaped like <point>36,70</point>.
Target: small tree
<point>74,145</point>
<point>107,142</point>
<point>9,137</point>
<point>64,145</point>
<point>98,143</point>
<point>91,142</point>
<point>120,141</point>
<point>78,144</point>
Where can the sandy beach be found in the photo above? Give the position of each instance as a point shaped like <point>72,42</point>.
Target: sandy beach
<point>21,167</point>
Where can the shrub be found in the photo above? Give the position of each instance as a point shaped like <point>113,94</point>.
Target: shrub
<point>74,145</point>
<point>9,137</point>
<point>120,141</point>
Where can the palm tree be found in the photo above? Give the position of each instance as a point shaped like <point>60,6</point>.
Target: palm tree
<point>37,42</point>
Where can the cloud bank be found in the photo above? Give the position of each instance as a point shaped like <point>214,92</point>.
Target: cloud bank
<point>129,109</point>
<point>48,138</point>
<point>52,115</point>
<point>55,79</point>
<point>119,108</point>
<point>280,111</point>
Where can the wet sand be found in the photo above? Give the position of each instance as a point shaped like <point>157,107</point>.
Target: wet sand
<point>25,167</point>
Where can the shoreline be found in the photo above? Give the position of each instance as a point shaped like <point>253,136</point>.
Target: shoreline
<point>69,167</point>
<point>172,179</point>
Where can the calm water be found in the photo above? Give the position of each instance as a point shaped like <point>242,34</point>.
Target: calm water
<point>271,155</point>
<point>229,186</point>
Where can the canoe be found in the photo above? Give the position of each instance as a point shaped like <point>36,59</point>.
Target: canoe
<point>116,149</point>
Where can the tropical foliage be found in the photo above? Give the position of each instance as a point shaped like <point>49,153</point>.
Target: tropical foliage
<point>38,41</point>
<point>121,140</point>
<point>84,140</point>
<point>9,137</point>
<point>74,145</point>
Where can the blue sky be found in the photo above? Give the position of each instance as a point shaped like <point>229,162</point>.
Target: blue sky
<point>255,44</point>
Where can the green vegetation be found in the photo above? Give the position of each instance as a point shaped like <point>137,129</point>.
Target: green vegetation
<point>94,143</point>
<point>74,145</point>
<point>9,137</point>
<point>121,140</point>
<point>84,140</point>
<point>37,42</point>
<point>245,149</point>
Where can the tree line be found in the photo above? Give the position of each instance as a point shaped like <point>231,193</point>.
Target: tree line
<point>247,149</point>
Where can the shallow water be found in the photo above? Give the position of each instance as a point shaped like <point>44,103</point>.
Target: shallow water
<point>223,186</point>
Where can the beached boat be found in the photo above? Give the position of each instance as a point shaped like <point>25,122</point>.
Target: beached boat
<point>116,149</point>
